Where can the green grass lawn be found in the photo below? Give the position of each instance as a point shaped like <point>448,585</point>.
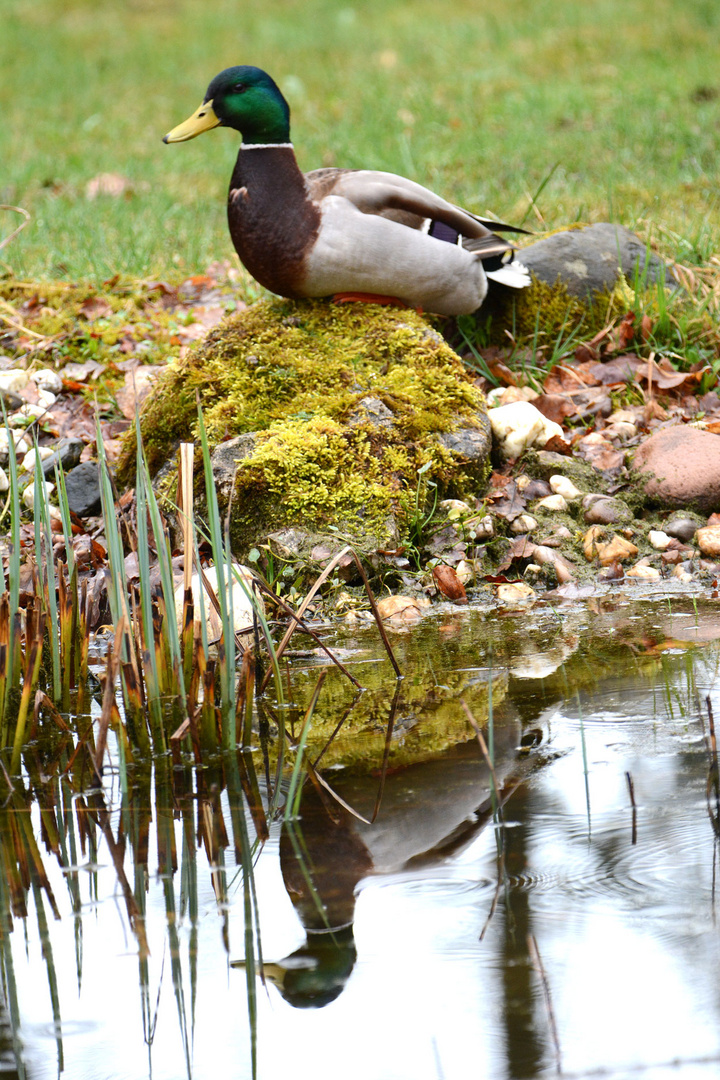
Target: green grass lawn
<point>618,99</point>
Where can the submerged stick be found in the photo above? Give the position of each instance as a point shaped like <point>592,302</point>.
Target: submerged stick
<point>631,789</point>
<point>538,965</point>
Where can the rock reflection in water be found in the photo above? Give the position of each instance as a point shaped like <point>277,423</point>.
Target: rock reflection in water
<point>427,811</point>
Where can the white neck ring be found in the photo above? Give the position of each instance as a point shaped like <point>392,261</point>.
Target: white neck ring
<point>266,146</point>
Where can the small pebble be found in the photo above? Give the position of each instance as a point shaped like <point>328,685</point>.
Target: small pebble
<point>590,541</point>
<point>681,573</point>
<point>485,529</point>
<point>606,511</point>
<point>4,482</point>
<point>514,591</point>
<point>22,445</point>
<point>621,416</point>
<point>520,425</point>
<point>523,524</point>
<point>643,571</point>
<point>25,414</point>
<point>46,398</point>
<point>682,529</point>
<point>28,495</point>
<point>14,379</point>
<point>551,502</point>
<point>466,570</point>
<point>562,485</point>
<point>455,508</point>
<point>47,379</point>
<point>556,538</point>
<point>659,540</point>
<point>28,462</point>
<point>621,431</point>
<point>617,550</point>
<point>708,539</point>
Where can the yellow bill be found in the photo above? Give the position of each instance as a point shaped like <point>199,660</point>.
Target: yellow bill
<point>203,119</point>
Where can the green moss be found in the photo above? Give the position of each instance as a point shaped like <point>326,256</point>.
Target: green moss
<point>296,374</point>
<point>544,315</point>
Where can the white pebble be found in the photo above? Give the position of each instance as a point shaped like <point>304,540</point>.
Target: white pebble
<point>620,430</point>
<point>14,379</point>
<point>506,395</point>
<point>643,571</point>
<point>520,425</point>
<point>485,528</point>
<point>515,592</point>
<point>681,573</point>
<point>455,508</point>
<point>562,485</point>
<point>551,502</point>
<point>29,493</point>
<point>659,540</point>
<point>22,445</point>
<point>523,524</point>
<point>46,398</point>
<point>466,570</point>
<point>28,462</point>
<point>4,482</point>
<point>25,414</point>
<point>47,379</point>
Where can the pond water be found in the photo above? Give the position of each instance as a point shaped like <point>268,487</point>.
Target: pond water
<point>563,919</point>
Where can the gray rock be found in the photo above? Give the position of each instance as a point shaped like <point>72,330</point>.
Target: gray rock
<point>371,410</point>
<point>680,466</point>
<point>83,489</point>
<point>471,443</point>
<point>682,528</point>
<point>589,260</point>
<point>605,510</point>
<point>67,455</point>
<point>224,461</point>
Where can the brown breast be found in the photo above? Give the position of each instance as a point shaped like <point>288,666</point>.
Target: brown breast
<point>273,221</point>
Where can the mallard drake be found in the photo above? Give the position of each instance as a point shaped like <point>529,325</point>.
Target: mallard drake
<point>352,234</point>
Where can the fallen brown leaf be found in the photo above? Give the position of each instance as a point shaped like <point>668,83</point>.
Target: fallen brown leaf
<point>586,354</point>
<point>555,406</point>
<point>564,378</point>
<point>624,332</point>
<point>449,584</point>
<point>557,445</point>
<point>95,307</point>
<point>138,384</point>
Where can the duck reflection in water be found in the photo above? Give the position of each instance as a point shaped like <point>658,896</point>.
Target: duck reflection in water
<point>428,812</point>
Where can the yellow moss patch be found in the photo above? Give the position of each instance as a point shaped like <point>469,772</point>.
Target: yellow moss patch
<point>295,374</point>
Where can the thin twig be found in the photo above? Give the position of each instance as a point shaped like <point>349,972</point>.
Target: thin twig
<point>631,789</point>
<point>538,965</point>
<point>296,624</point>
<point>21,226</point>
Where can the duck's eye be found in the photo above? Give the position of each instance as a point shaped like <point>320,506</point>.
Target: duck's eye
<point>239,88</point>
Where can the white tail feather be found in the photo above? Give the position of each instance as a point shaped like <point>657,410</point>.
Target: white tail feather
<point>513,274</point>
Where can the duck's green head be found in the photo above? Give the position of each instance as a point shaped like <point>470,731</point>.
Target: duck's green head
<point>244,98</point>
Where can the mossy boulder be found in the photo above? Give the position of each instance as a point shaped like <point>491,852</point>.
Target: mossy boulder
<point>335,409</point>
<point>581,277</point>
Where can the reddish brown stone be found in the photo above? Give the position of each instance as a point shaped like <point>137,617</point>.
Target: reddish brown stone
<point>681,466</point>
